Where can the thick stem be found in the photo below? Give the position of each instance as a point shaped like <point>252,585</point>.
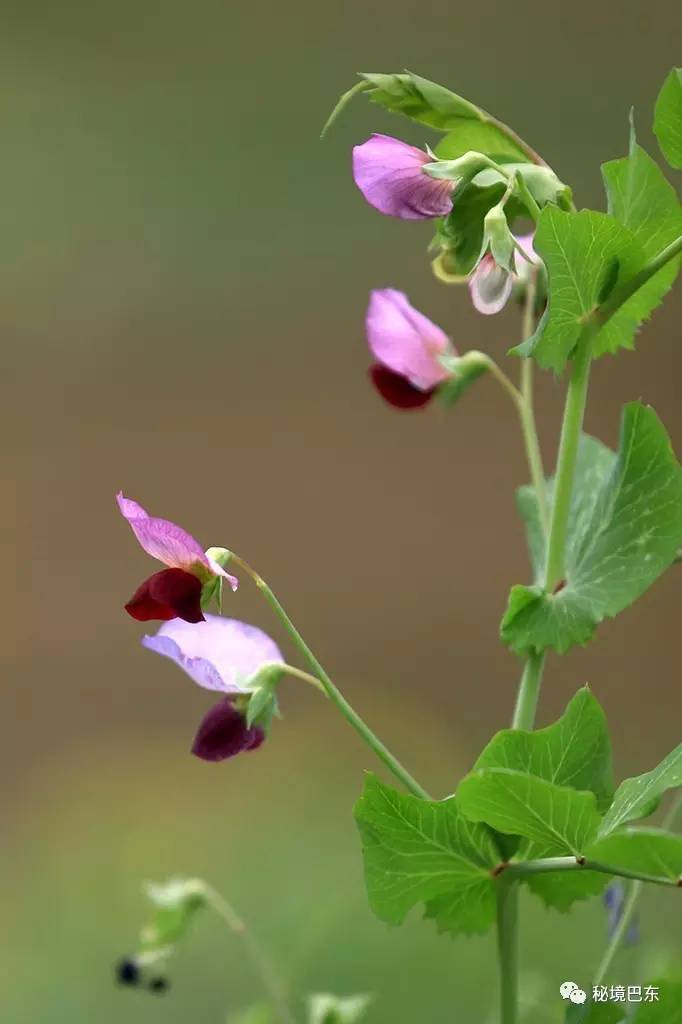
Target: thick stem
<point>529,691</point>
<point>334,694</point>
<point>507,949</point>
<point>260,961</point>
<point>574,412</point>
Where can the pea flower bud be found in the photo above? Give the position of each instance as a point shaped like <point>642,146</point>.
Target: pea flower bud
<point>499,269</point>
<point>390,174</point>
<point>407,347</point>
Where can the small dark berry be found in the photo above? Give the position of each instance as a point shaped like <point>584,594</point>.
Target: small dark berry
<point>127,972</point>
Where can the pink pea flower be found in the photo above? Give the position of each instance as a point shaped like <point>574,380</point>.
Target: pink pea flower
<point>221,655</point>
<point>174,592</point>
<point>407,347</point>
<point>491,285</point>
<point>390,174</point>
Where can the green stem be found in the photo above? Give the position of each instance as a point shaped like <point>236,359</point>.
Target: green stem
<point>298,673</point>
<point>574,412</point>
<point>507,949</point>
<point>527,410</point>
<point>261,963</point>
<point>553,864</point>
<point>529,691</point>
<point>630,907</point>
<point>334,694</point>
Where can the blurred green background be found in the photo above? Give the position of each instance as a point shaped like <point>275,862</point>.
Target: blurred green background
<point>184,276</point>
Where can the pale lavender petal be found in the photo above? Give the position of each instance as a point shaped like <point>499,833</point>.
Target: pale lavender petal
<point>404,340</point>
<point>218,654</point>
<point>390,175</point>
<point>218,570</point>
<point>490,286</point>
<point>162,539</point>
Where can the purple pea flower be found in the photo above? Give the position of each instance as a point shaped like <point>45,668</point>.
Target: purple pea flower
<point>176,591</point>
<point>221,655</point>
<point>491,284</point>
<point>407,347</point>
<point>390,174</point>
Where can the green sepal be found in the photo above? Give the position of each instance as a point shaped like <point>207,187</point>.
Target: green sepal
<point>463,370</point>
<point>262,701</point>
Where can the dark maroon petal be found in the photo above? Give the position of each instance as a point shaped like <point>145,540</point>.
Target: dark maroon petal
<point>397,390</point>
<point>223,733</point>
<point>169,594</point>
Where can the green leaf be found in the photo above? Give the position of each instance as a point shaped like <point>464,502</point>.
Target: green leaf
<point>554,821</point>
<point>642,200</point>
<point>667,1009</point>
<point>582,252</point>
<point>428,103</point>
<point>327,1009</point>
<point>639,797</point>
<point>565,820</point>
<point>647,851</point>
<point>422,851</point>
<point>176,903</point>
<point>575,751</point>
<point>624,532</point>
<point>668,118</point>
<point>262,702</point>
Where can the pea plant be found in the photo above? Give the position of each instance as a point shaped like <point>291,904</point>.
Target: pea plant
<point>539,808</point>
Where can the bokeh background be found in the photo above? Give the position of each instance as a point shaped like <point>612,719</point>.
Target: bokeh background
<point>185,269</point>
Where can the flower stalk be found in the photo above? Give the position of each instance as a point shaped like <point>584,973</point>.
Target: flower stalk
<point>334,694</point>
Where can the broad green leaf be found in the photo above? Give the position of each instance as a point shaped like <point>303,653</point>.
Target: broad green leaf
<point>585,254</point>
<point>575,751</point>
<point>666,1008</point>
<point>327,1009</point>
<point>175,904</point>
<point>642,200</point>
<point>668,118</point>
<point>624,533</point>
<point>639,797</point>
<point>433,105</point>
<point>595,1013</point>
<point>416,851</point>
<point>648,851</point>
<point>525,805</point>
